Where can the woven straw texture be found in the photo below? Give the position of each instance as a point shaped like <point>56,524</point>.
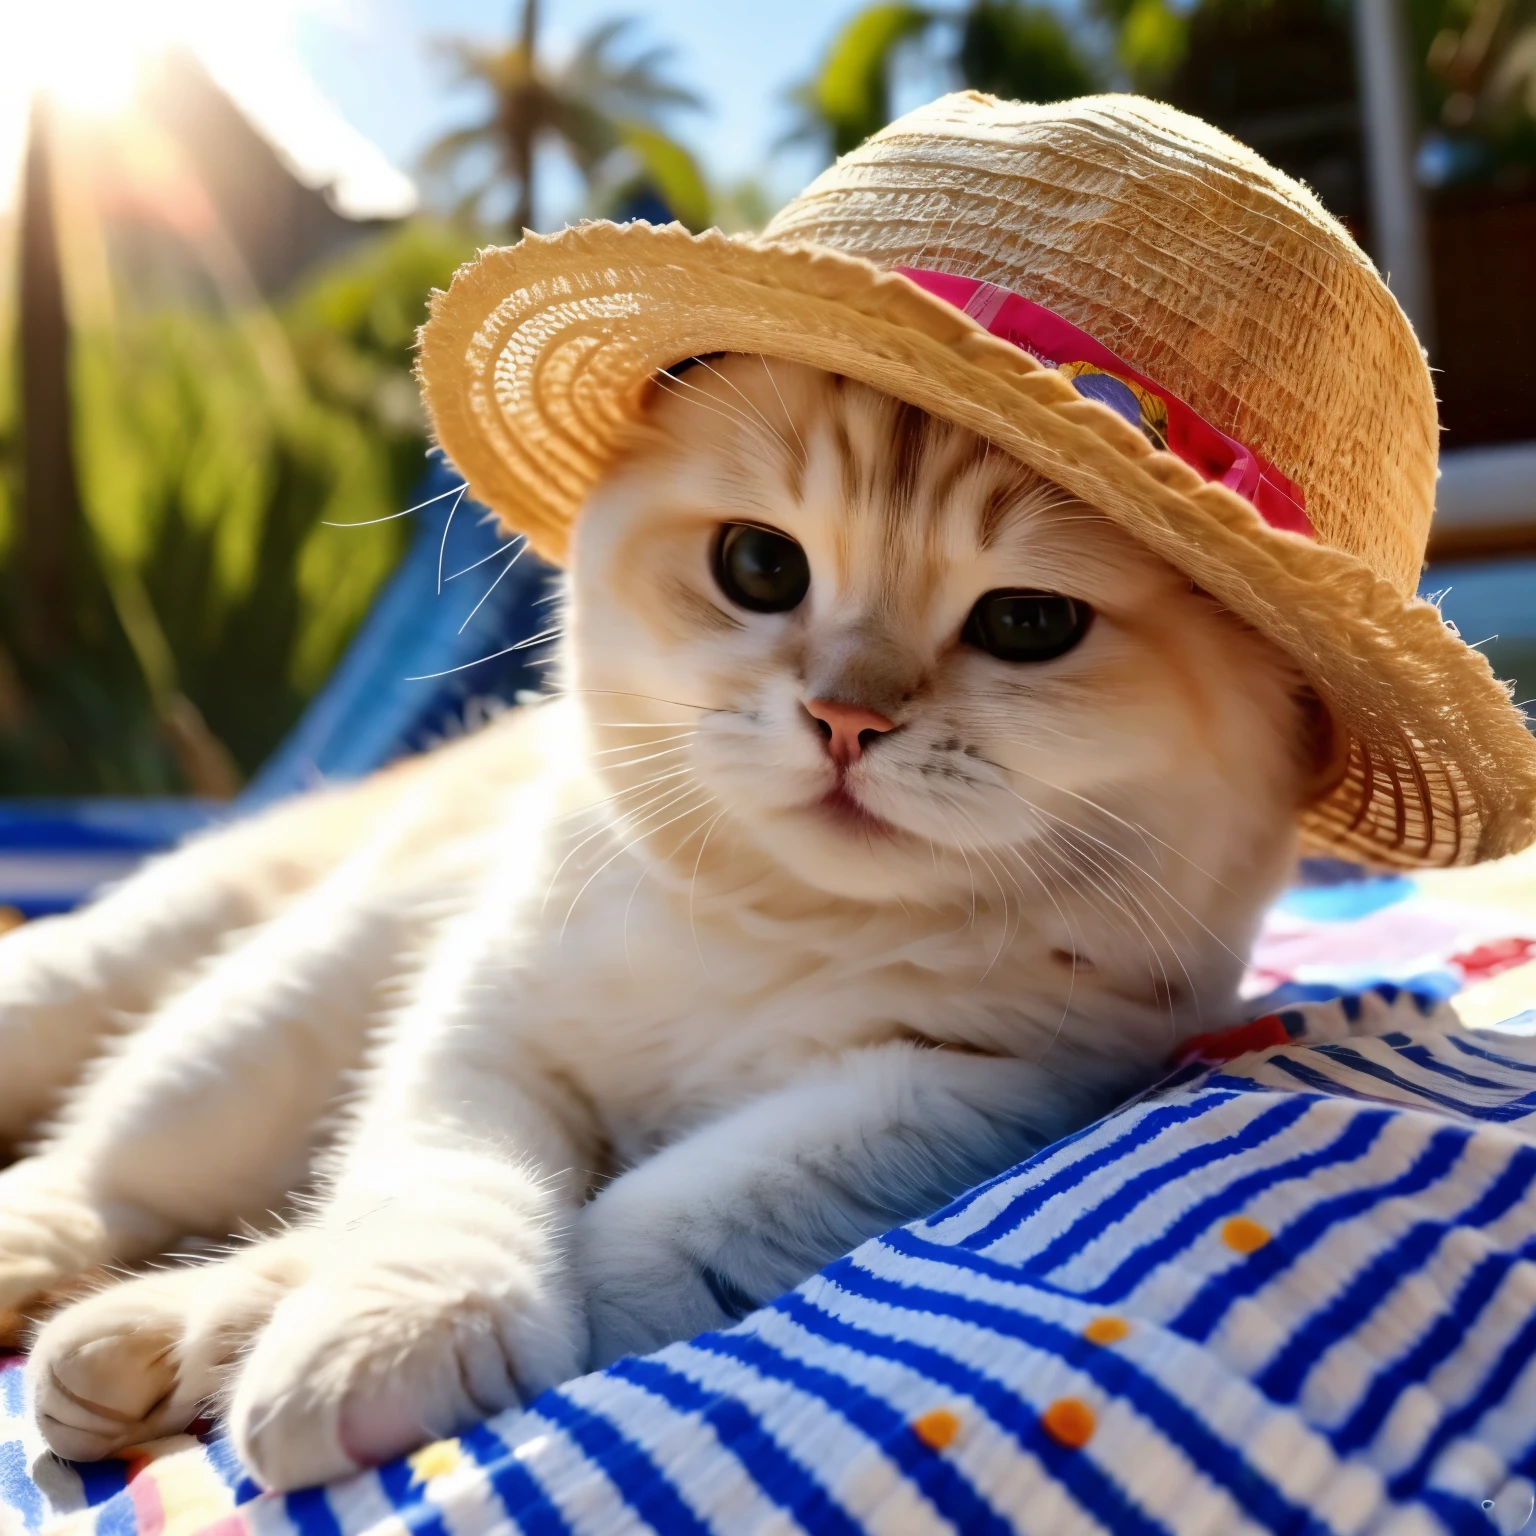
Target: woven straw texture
<point>1172,245</point>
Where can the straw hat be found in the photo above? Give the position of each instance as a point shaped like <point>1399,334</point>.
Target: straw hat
<point>1239,391</point>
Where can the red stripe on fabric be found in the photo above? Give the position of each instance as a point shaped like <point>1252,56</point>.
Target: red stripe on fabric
<point>1228,1044</point>
<point>148,1510</point>
<point>1058,344</point>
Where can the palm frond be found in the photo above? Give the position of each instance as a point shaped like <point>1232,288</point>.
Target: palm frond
<point>671,170</point>
<point>606,107</point>
<point>442,153</point>
<point>849,97</point>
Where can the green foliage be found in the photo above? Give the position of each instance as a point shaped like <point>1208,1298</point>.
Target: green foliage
<point>1481,78</point>
<point>1016,49</point>
<point>1152,41</point>
<point>666,166</point>
<point>1232,61</point>
<point>1021,53</point>
<point>849,97</point>
<point>211,449</point>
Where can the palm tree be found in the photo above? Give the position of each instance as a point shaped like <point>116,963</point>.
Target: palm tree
<point>1013,48</point>
<point>51,496</point>
<point>605,109</point>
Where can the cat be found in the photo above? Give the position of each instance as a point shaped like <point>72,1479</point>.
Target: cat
<point>895,814</point>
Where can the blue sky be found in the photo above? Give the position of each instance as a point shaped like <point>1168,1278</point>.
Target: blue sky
<point>375,60</point>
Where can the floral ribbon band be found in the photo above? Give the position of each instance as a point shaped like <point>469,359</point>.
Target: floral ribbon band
<point>1097,374</point>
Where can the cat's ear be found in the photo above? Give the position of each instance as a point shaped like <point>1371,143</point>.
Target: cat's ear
<point>1324,748</point>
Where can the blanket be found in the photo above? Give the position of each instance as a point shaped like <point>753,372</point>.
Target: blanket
<point>1292,1288</point>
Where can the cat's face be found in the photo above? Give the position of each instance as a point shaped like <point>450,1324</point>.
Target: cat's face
<point>814,621</point>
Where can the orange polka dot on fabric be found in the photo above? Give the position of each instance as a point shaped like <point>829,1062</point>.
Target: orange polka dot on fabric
<point>936,1429</point>
<point>1070,1422</point>
<point>1244,1235</point>
<point>1106,1330</point>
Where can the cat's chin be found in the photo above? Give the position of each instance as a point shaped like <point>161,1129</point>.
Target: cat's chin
<point>837,846</point>
<point>849,814</point>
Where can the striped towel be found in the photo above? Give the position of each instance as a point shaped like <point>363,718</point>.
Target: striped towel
<point>1289,1291</point>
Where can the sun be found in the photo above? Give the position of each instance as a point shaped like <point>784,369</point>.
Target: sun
<point>87,56</point>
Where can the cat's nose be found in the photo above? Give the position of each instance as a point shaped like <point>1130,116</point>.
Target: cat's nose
<point>845,727</point>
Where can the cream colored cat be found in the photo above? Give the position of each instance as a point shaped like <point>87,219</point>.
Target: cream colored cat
<point>899,815</point>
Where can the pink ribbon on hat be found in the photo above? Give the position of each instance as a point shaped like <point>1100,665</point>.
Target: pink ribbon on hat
<point>1099,375</point>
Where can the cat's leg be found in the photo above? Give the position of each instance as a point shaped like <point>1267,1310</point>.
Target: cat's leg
<point>204,1118</point>
<point>440,1292</point>
<point>438,1297</point>
<point>67,982</point>
<point>748,1206</point>
<point>145,1357</point>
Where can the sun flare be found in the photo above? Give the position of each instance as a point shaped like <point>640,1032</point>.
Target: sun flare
<point>88,57</point>
<point>87,53</point>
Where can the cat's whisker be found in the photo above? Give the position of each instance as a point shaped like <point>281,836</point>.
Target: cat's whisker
<point>1080,864</point>
<point>600,807</point>
<point>629,962</point>
<point>633,762</point>
<point>506,650</point>
<point>665,802</point>
<point>788,417</point>
<point>1021,855</point>
<point>1164,894</point>
<point>604,822</point>
<point>619,810</point>
<point>1124,857</point>
<point>618,852</point>
<point>626,791</point>
<point>619,693</point>
<point>1153,950</point>
<point>517,554</point>
<point>389,517</point>
<point>607,804</point>
<point>959,847</point>
<point>1002,851</point>
<point>442,547</point>
<point>621,766</point>
<point>727,412</point>
<point>693,885</point>
<point>761,429</point>
<point>1137,827</point>
<point>1004,938</point>
<point>501,549</point>
<point>752,406</point>
<point>1074,940</point>
<point>1073,858</point>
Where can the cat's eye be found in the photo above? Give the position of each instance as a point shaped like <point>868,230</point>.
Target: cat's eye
<point>761,569</point>
<point>1027,626</point>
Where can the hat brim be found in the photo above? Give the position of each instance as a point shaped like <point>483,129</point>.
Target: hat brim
<point>538,357</point>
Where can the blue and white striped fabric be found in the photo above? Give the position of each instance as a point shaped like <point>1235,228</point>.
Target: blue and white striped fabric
<point>1291,1292</point>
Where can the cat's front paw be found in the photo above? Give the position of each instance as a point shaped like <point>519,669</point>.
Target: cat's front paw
<point>143,1358</point>
<point>656,1266</point>
<point>50,1232</point>
<point>106,1373</point>
<point>361,1366</point>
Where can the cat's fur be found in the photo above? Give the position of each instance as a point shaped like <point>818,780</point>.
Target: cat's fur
<point>651,1033</point>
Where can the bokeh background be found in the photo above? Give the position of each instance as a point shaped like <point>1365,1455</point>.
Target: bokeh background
<point>220,219</point>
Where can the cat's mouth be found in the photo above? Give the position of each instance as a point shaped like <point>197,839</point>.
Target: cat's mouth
<point>849,813</point>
